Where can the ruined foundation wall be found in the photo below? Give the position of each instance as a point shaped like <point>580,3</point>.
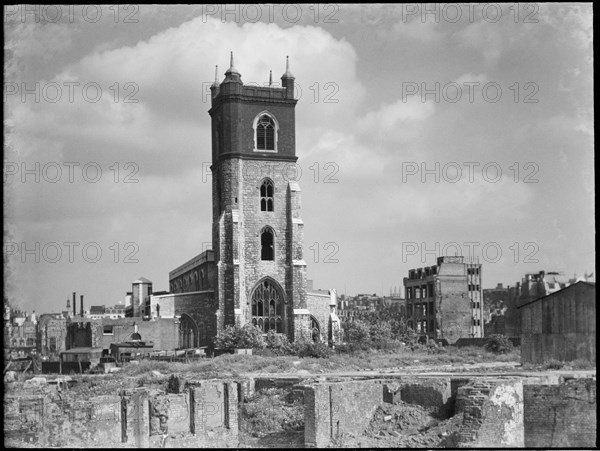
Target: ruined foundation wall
<point>561,416</point>
<point>204,415</point>
<point>492,413</point>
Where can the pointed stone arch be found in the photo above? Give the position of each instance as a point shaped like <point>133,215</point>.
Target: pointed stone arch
<point>259,125</point>
<point>188,332</point>
<point>268,306</point>
<point>315,329</point>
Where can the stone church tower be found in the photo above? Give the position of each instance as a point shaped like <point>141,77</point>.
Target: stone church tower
<point>257,225</point>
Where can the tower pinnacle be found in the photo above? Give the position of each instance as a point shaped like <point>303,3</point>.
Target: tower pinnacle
<point>216,82</point>
<point>287,74</point>
<point>232,69</point>
<point>232,74</point>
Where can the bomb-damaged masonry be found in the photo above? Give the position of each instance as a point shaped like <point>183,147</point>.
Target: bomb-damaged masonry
<point>450,411</point>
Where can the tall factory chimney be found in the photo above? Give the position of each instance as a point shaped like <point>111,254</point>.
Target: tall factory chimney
<point>74,304</point>
<point>81,299</point>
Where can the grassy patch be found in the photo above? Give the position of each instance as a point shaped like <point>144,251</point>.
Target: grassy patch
<point>554,364</point>
<point>231,365</point>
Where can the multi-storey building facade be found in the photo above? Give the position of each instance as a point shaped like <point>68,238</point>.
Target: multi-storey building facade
<point>444,301</point>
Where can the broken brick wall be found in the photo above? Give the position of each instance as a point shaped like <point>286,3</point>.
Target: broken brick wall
<point>561,415</point>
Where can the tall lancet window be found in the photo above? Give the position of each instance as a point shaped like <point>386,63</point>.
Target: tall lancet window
<point>267,248</point>
<point>265,133</point>
<point>266,195</point>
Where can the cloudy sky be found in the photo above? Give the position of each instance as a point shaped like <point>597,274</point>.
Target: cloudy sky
<point>465,130</point>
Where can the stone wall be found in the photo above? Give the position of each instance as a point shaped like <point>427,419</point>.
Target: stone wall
<point>318,306</point>
<point>204,415</point>
<point>332,409</point>
<point>561,415</point>
<point>560,326</point>
<point>435,393</point>
<point>543,411</point>
<point>164,332</point>
<point>492,412</point>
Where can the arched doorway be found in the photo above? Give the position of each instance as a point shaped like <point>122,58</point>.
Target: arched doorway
<point>188,332</point>
<point>268,310</point>
<point>315,329</point>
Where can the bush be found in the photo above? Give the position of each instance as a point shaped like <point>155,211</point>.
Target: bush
<point>278,343</point>
<point>357,331</point>
<point>236,337</point>
<point>380,333</point>
<point>499,344</point>
<point>309,348</point>
<point>432,347</point>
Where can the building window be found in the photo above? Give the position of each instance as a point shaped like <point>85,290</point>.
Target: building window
<point>267,251</point>
<point>108,330</point>
<point>267,307</point>
<point>52,344</point>
<point>266,195</point>
<point>265,133</point>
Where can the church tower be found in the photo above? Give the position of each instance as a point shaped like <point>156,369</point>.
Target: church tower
<point>257,226</point>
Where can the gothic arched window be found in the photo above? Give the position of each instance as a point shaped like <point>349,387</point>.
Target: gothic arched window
<point>265,133</point>
<point>267,247</point>
<point>266,195</point>
<point>267,307</point>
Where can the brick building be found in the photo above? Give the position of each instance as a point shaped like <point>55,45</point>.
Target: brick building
<point>52,334</point>
<point>20,332</point>
<point>560,325</point>
<point>445,301</point>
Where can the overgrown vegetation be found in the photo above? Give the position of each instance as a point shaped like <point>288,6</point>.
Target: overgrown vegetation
<point>382,330</point>
<point>270,411</point>
<point>238,337</point>
<point>252,337</point>
<point>499,344</point>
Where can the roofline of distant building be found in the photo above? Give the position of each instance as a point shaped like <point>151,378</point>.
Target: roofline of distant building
<point>199,259</point>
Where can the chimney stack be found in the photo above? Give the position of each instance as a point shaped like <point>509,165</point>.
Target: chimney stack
<point>74,304</point>
<point>81,299</point>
